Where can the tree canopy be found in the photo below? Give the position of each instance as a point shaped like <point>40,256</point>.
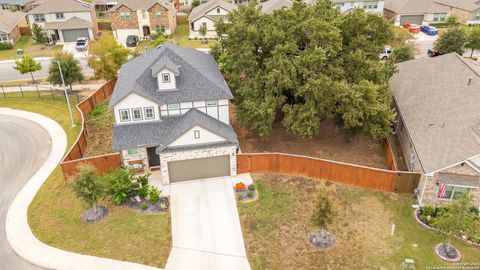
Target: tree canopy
<point>307,63</point>
<point>39,34</point>
<point>473,39</point>
<point>27,65</point>
<point>452,40</point>
<point>106,57</point>
<point>71,70</point>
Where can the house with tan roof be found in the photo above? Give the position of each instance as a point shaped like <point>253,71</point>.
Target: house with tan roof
<point>17,5</point>
<point>10,24</point>
<point>467,11</point>
<point>271,5</point>
<point>438,127</point>
<point>207,14</point>
<point>142,17</point>
<point>65,20</point>
<point>367,5</point>
<point>415,11</point>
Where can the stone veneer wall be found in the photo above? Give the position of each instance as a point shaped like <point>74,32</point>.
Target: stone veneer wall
<point>141,155</point>
<point>165,20</point>
<point>428,185</point>
<point>118,23</point>
<point>194,154</point>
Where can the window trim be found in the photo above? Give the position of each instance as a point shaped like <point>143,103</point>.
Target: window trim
<point>146,115</point>
<point>4,35</point>
<point>168,76</point>
<point>173,109</point>
<point>125,15</point>
<point>210,105</point>
<point>59,17</point>
<point>136,151</point>
<point>121,117</point>
<point>196,134</point>
<point>133,114</point>
<point>158,15</point>
<point>453,192</point>
<point>39,18</point>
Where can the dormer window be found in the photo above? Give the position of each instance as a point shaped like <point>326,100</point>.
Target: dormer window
<point>165,77</point>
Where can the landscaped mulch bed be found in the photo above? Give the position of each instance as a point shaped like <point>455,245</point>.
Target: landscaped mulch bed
<point>147,207</point>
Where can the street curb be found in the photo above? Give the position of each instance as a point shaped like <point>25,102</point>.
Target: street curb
<point>18,233</point>
<point>36,59</point>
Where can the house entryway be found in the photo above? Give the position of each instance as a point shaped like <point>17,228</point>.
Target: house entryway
<point>146,31</point>
<point>153,157</point>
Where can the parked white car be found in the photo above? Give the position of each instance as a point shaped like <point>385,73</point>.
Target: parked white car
<point>81,44</point>
<point>387,51</point>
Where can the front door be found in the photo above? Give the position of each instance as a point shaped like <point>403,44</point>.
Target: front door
<point>146,31</point>
<point>153,157</point>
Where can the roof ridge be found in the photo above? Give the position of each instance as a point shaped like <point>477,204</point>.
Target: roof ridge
<point>468,64</point>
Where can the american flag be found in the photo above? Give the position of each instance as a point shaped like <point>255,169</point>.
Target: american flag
<point>442,190</point>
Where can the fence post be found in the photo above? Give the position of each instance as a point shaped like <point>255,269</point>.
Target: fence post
<point>21,90</point>
<point>38,92</point>
<point>78,99</point>
<point>3,90</point>
<point>51,91</point>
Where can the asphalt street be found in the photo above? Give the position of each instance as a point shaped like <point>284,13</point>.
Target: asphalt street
<point>7,73</point>
<point>24,146</point>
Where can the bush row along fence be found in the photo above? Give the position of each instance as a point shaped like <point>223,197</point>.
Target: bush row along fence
<point>75,155</point>
<point>36,91</point>
<point>372,178</point>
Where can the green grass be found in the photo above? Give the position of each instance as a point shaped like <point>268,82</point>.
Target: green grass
<point>54,215</point>
<point>30,48</point>
<point>275,228</point>
<point>180,37</point>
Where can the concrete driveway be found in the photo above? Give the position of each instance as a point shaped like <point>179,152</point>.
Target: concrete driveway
<point>27,148</point>
<point>423,43</point>
<point>69,47</point>
<point>206,231</point>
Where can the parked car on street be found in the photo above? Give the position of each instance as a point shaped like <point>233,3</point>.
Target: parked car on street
<point>132,41</point>
<point>387,51</point>
<point>432,53</point>
<point>429,30</point>
<point>412,28</point>
<point>81,44</point>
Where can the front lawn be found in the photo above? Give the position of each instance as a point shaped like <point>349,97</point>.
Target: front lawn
<point>275,228</point>
<point>54,215</point>
<point>180,37</point>
<point>31,49</point>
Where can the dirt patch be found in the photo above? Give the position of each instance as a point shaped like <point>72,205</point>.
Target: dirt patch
<point>99,123</point>
<point>277,225</point>
<point>328,144</point>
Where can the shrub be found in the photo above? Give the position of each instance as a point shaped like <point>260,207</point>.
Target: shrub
<point>143,191</point>
<point>250,194</point>
<point>251,187</point>
<point>120,184</point>
<point>88,186</point>
<point>153,194</point>
<point>6,46</point>
<point>428,210</point>
<point>403,53</point>
<point>239,197</point>
<point>144,206</point>
<point>324,212</point>
<point>195,3</point>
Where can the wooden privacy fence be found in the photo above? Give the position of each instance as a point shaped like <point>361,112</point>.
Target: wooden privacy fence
<point>378,179</point>
<point>75,155</point>
<point>389,155</point>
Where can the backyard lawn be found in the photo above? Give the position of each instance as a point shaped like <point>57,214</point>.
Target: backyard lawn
<point>275,228</point>
<point>30,48</point>
<point>180,37</point>
<point>55,214</point>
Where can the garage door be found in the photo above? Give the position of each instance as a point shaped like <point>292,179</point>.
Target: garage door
<point>72,34</point>
<point>415,19</point>
<point>200,168</point>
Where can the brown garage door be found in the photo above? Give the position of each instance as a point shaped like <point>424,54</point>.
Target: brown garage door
<point>200,168</point>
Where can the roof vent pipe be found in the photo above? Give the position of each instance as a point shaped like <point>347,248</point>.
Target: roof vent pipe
<point>469,81</point>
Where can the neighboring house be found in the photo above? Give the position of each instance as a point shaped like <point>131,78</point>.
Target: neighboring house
<point>140,18</point>
<point>271,5</point>
<point>10,23</point>
<point>14,5</point>
<point>102,6</point>
<point>171,108</point>
<point>367,5</point>
<point>467,11</point>
<point>65,20</point>
<point>207,14</point>
<point>415,11</point>
<point>438,104</point>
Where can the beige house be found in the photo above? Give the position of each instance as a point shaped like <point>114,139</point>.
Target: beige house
<point>18,5</point>
<point>10,24</point>
<point>467,11</point>
<point>415,11</point>
<point>141,18</point>
<point>438,105</point>
<point>65,20</point>
<point>206,15</point>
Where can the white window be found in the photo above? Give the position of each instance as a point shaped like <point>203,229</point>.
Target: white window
<point>477,15</point>
<point>452,192</point>
<point>165,77</point>
<point>59,16</point>
<point>196,134</point>
<point>124,116</point>
<point>159,14</point>
<point>125,15</point>
<point>137,114</point>
<point>3,37</point>
<point>39,18</point>
<point>439,17</point>
<point>149,113</point>
<point>175,106</point>
<point>133,151</point>
<point>212,103</point>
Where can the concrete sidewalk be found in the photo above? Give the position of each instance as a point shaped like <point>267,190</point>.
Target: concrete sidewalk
<point>47,87</point>
<point>19,235</point>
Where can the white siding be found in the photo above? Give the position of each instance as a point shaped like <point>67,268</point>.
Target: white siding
<point>143,21</point>
<point>166,85</point>
<point>211,33</point>
<point>220,111</point>
<point>343,7</point>
<point>135,101</point>
<point>188,138</point>
<point>217,11</point>
<point>51,17</point>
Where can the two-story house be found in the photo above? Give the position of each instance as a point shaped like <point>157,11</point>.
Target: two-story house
<point>415,12</point>
<point>140,18</point>
<point>21,5</point>
<point>65,20</point>
<point>206,15</point>
<point>171,113</point>
<point>467,11</point>
<point>367,5</point>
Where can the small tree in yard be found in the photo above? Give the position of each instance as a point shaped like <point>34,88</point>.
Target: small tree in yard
<point>203,31</point>
<point>473,39</point>
<point>195,3</point>
<point>39,34</point>
<point>106,57</point>
<point>452,21</point>
<point>71,70</point>
<point>324,212</point>
<point>88,186</point>
<point>453,40</point>
<point>403,53</point>
<point>27,65</point>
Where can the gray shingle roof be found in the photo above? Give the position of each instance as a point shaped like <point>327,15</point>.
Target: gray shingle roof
<point>271,5</point>
<point>161,133</point>
<point>203,9</point>
<point>51,6</point>
<point>199,79</point>
<point>16,2</point>
<point>164,62</point>
<point>142,4</point>
<point>72,23</point>
<point>10,19</point>
<point>469,5</point>
<point>415,6</point>
<point>441,111</point>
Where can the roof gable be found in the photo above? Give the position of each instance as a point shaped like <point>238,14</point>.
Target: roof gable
<point>141,4</point>
<point>10,20</point>
<point>203,9</point>
<point>164,63</point>
<point>206,136</point>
